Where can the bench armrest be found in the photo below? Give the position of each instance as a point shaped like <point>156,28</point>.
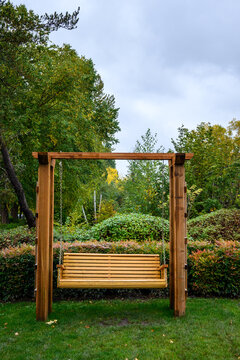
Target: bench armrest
<point>165,266</point>
<point>61,266</point>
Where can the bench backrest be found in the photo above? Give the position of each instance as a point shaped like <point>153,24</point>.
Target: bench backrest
<point>111,266</point>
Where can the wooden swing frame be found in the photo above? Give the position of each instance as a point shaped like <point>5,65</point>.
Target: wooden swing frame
<point>45,215</point>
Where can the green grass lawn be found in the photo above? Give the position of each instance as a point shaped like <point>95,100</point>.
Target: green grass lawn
<point>122,329</point>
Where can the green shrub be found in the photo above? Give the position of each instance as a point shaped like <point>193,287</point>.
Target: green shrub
<point>17,236</point>
<point>12,224</point>
<point>17,273</point>
<point>220,224</point>
<point>213,270</point>
<point>216,272</point>
<point>125,227</point>
<point>17,268</point>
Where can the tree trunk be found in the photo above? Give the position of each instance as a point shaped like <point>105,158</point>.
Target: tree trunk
<point>4,214</point>
<point>17,185</point>
<point>14,211</point>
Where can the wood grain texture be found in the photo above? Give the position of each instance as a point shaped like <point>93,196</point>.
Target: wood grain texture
<point>36,242</point>
<point>107,156</point>
<point>179,240</point>
<point>185,238</point>
<point>111,271</point>
<point>172,245</point>
<point>112,284</point>
<point>51,220</point>
<point>42,295</point>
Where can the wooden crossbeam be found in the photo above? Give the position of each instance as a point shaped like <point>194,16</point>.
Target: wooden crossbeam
<point>110,156</point>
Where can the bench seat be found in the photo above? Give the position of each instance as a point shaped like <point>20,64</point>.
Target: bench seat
<point>88,270</point>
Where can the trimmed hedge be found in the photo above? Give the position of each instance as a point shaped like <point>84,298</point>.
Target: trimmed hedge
<point>17,236</point>
<point>17,268</point>
<point>220,224</point>
<point>121,227</point>
<point>213,270</point>
<point>216,272</point>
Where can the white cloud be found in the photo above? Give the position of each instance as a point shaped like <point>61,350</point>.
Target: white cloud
<point>167,63</point>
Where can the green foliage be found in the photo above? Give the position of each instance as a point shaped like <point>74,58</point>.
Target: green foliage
<point>107,210</point>
<point>137,227</point>
<point>17,236</point>
<point>192,193</point>
<point>146,187</point>
<point>50,100</point>
<point>17,273</point>
<point>12,225</point>
<point>213,270</point>
<point>216,272</point>
<point>221,224</point>
<point>17,266</point>
<point>215,167</point>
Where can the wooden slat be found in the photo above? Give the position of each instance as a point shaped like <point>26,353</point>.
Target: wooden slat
<point>115,276</point>
<point>103,263</point>
<point>113,269</point>
<point>117,284</point>
<point>102,259</point>
<point>114,261</point>
<point>113,255</point>
<point>112,265</point>
<point>120,256</point>
<point>118,268</point>
<point>122,270</point>
<point>113,156</point>
<point>111,273</point>
<point>81,259</point>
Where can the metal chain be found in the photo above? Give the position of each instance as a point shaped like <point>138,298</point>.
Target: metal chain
<point>163,242</point>
<point>61,212</point>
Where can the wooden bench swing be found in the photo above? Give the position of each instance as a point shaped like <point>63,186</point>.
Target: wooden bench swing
<point>109,271</point>
<point>88,270</point>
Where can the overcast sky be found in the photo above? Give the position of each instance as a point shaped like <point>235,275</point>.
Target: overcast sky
<point>167,63</point>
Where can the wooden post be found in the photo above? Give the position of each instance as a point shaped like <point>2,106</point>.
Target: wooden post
<point>36,242</point>
<point>52,166</point>
<point>42,296</point>
<point>185,237</point>
<point>177,235</point>
<point>171,236</point>
<point>179,201</point>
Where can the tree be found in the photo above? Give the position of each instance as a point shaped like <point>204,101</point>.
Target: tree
<point>146,184</point>
<point>51,100</point>
<point>22,34</point>
<point>215,167</point>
